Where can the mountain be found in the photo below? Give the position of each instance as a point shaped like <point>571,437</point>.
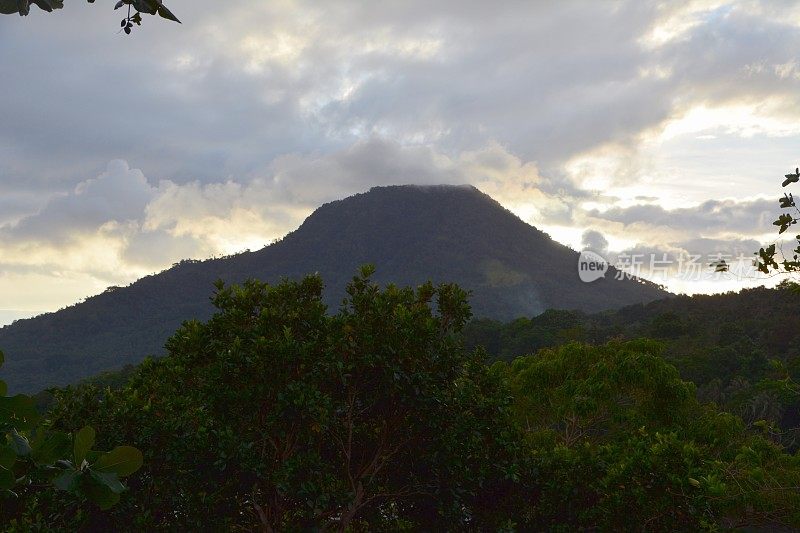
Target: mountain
<point>411,234</point>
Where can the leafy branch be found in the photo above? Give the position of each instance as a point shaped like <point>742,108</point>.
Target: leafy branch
<point>765,260</point>
<point>135,9</point>
<point>32,456</point>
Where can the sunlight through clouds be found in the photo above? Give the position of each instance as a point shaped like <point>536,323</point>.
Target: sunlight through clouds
<point>244,120</point>
<point>679,18</point>
<point>762,118</point>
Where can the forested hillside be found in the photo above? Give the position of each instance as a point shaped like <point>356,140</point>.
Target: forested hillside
<point>742,350</point>
<point>412,235</point>
<point>275,415</point>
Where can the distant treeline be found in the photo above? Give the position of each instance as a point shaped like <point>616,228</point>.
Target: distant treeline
<point>741,350</point>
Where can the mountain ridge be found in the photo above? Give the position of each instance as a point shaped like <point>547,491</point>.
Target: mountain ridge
<point>411,233</point>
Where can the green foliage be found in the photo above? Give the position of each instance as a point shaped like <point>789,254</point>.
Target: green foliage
<point>766,261</point>
<point>277,415</point>
<point>23,7</point>
<point>617,434</point>
<point>33,459</point>
<point>722,343</point>
<point>150,7</point>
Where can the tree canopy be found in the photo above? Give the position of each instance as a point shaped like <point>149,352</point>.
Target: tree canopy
<point>741,350</point>
<point>276,414</point>
<point>615,432</point>
<point>36,460</point>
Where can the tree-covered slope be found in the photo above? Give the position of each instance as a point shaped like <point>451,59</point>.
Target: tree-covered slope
<point>742,350</point>
<point>277,416</point>
<point>411,234</point>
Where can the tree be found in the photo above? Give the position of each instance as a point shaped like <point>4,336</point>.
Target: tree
<point>616,433</point>
<point>276,415</point>
<point>135,9</point>
<point>35,459</point>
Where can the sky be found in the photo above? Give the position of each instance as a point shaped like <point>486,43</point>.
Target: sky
<point>636,129</point>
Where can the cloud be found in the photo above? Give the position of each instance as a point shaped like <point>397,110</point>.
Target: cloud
<point>691,266</point>
<point>752,217</point>
<point>623,120</point>
<point>288,189</point>
<point>158,249</point>
<point>95,229</point>
<point>725,247</point>
<point>594,241</point>
<point>120,225</point>
<point>118,195</point>
<point>231,90</point>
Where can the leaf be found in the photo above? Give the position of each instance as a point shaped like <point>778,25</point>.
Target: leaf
<point>7,479</point>
<point>67,481</point>
<point>122,460</point>
<point>3,388</point>
<point>84,440</point>
<point>767,259</point>
<point>167,14</point>
<point>20,444</point>
<point>109,479</point>
<point>50,446</point>
<point>93,456</point>
<point>784,221</point>
<point>8,7</point>
<point>100,494</point>
<point>693,482</point>
<point>7,460</point>
<point>49,5</point>
<point>7,457</point>
<point>19,411</point>
<point>145,6</point>
<point>23,7</point>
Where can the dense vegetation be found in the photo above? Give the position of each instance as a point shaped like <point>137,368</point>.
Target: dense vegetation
<point>742,350</point>
<point>620,442</point>
<point>277,415</point>
<point>36,460</point>
<point>412,234</point>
